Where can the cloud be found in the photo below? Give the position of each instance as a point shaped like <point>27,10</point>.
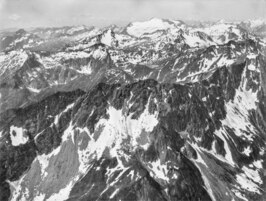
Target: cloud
<point>121,12</point>
<point>14,17</point>
<point>2,3</point>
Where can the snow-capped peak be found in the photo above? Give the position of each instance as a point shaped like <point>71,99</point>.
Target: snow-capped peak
<point>155,24</point>
<point>256,22</point>
<point>108,38</point>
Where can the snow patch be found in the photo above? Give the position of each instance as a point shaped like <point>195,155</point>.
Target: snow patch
<point>112,135</point>
<point>107,38</point>
<point>247,151</point>
<point>17,136</point>
<point>199,157</point>
<point>237,116</point>
<point>85,70</point>
<point>252,174</point>
<point>34,89</point>
<point>228,153</point>
<point>15,187</point>
<point>247,184</point>
<point>238,194</point>
<point>56,119</point>
<point>118,128</point>
<point>114,193</point>
<point>258,164</point>
<point>39,197</point>
<point>158,170</point>
<point>99,53</point>
<point>63,194</point>
<point>44,160</point>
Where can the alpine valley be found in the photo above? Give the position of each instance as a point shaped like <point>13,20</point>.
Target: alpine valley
<point>159,110</point>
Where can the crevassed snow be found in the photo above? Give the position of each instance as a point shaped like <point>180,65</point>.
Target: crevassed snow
<point>139,28</point>
<point>17,136</point>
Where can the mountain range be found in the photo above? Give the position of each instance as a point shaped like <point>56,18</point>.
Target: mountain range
<point>156,110</point>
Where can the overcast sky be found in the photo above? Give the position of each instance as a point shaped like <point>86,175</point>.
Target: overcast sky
<point>36,13</point>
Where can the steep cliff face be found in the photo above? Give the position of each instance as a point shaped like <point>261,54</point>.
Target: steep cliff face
<point>144,140</point>
<point>185,122</point>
